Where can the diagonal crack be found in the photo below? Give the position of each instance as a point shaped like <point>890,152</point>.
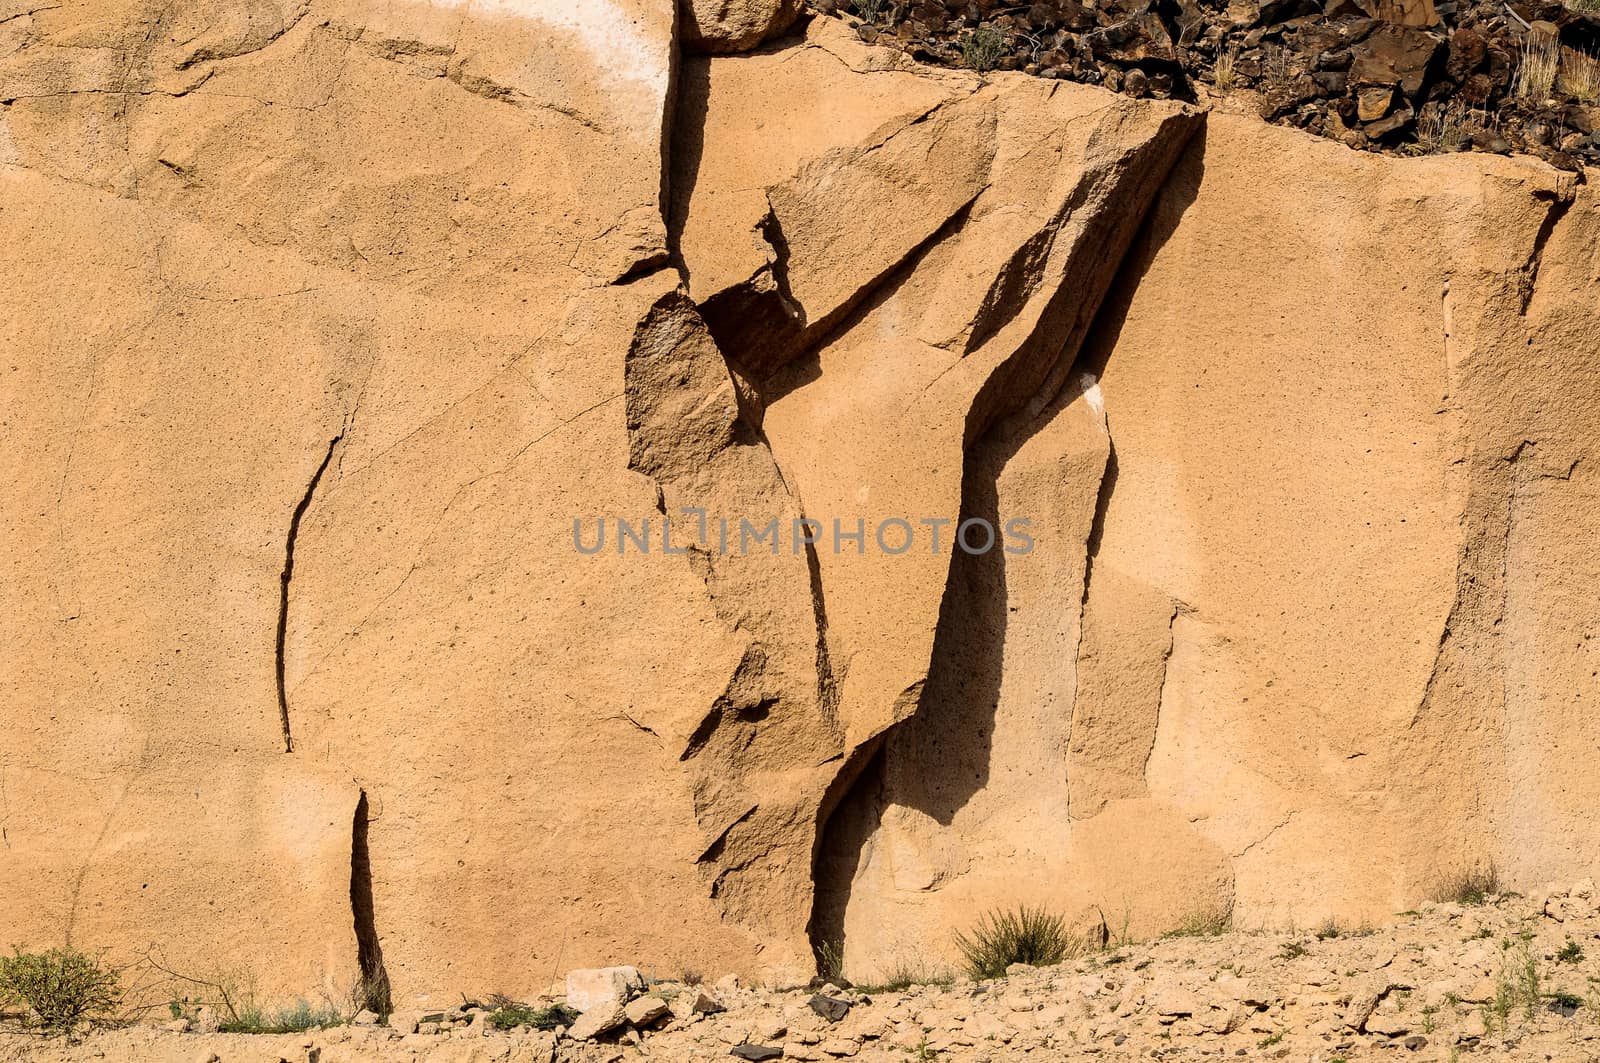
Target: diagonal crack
<point>288,575</point>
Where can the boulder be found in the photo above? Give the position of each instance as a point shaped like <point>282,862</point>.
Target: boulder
<point>591,988</point>
<point>722,26</point>
<point>694,1001</point>
<point>644,1011</point>
<point>1395,56</point>
<point>601,1019</point>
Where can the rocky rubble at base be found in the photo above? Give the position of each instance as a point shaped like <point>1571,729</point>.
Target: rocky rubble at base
<point>1515,978</point>
<point>1413,76</point>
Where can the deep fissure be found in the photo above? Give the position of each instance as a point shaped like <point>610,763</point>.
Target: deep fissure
<point>374,992</point>
<point>287,577</point>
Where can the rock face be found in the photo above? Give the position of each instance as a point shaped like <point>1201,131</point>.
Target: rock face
<point>489,495</point>
<point>1334,492</point>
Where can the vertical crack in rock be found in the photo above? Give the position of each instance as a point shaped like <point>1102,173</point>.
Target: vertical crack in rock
<point>287,577</point>
<point>374,991</point>
<point>827,681</point>
<point>1161,691</point>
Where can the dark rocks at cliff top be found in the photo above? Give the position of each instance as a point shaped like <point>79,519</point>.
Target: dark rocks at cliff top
<point>1408,76</point>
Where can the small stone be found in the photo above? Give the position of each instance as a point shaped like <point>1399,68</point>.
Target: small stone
<point>644,1011</point>
<point>1373,103</point>
<point>365,1018</point>
<point>1416,1041</point>
<point>756,1053</point>
<point>694,1002</point>
<point>207,1056</point>
<point>840,1046</point>
<point>1384,126</point>
<point>831,1008</point>
<point>1387,1024</point>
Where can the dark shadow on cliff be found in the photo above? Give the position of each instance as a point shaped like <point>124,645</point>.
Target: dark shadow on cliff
<point>686,148</point>
<point>373,993</point>
<point>941,756</point>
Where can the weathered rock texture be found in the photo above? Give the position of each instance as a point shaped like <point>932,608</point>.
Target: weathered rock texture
<point>326,321</point>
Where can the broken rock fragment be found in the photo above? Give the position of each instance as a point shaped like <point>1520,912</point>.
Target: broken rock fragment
<point>594,987</point>
<point>735,25</point>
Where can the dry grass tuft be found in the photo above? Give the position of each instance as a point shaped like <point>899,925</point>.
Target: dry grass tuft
<point>1026,935</point>
<point>1222,74</point>
<point>1579,74</point>
<point>1536,73</point>
<point>1445,129</point>
<point>1476,884</point>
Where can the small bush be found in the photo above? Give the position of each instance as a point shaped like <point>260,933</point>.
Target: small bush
<point>1564,1001</point>
<point>302,1016</point>
<point>1204,922</point>
<point>983,48</point>
<point>1027,935</point>
<point>510,1016</point>
<point>1470,885</point>
<point>1291,950</point>
<point>868,10</point>
<point>830,960</point>
<point>60,987</point>
<point>1571,952</point>
<point>1517,985</point>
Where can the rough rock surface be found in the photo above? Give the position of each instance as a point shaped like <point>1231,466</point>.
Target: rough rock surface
<point>334,329</point>
<point>1509,980</point>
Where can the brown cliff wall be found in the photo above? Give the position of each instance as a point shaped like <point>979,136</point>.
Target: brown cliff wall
<point>324,321</point>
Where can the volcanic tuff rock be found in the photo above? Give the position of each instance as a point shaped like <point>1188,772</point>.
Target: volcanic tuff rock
<point>326,320</point>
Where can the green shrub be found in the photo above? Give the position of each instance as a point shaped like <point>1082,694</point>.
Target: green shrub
<point>249,1017</point>
<point>1027,935</point>
<point>830,960</point>
<point>982,49</point>
<point>60,987</point>
<point>1571,952</point>
<point>510,1016</point>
